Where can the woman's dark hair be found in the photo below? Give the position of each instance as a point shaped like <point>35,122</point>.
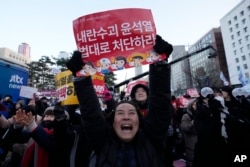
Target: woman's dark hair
<point>29,108</point>
<point>121,58</point>
<point>111,115</point>
<point>134,89</point>
<point>173,97</point>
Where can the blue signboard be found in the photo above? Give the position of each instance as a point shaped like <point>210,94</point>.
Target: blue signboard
<point>12,78</point>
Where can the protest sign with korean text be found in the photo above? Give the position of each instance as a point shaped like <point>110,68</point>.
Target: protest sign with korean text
<point>65,88</point>
<point>115,40</point>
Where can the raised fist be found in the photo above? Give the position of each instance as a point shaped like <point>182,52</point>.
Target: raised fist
<point>75,63</point>
<point>162,47</point>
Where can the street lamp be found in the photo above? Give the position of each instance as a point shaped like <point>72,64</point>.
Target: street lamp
<point>212,52</point>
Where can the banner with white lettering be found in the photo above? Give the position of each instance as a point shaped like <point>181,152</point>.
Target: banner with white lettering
<point>115,40</point>
<point>12,78</point>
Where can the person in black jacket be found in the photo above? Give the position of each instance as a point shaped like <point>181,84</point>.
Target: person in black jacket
<point>139,94</point>
<point>131,140</point>
<point>48,143</point>
<point>211,146</point>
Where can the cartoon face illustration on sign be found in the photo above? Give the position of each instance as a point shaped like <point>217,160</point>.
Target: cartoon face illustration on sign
<point>136,60</point>
<point>120,62</point>
<point>105,65</point>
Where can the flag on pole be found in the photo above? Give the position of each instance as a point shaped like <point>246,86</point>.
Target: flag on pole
<point>223,78</point>
<point>242,79</point>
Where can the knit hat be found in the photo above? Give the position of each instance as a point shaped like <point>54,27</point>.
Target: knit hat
<point>206,91</point>
<point>53,111</point>
<point>49,111</point>
<point>134,89</point>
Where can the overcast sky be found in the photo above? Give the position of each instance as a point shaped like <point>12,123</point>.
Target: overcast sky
<point>46,25</point>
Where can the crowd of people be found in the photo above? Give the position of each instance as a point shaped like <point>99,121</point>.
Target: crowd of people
<point>145,131</point>
<point>216,127</point>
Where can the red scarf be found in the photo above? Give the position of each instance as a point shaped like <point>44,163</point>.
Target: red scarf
<point>40,155</point>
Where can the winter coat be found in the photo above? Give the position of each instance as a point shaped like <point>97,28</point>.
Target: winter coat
<point>148,146</point>
<point>53,146</point>
<point>238,128</point>
<point>211,147</point>
<point>189,133</point>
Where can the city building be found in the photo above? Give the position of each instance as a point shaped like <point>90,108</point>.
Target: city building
<point>180,71</point>
<point>235,27</point>
<point>208,61</point>
<point>14,57</point>
<point>63,55</point>
<point>24,49</point>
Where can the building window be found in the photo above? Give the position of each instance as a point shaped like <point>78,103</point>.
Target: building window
<point>235,52</point>
<point>247,75</point>
<point>243,21</point>
<point>238,33</point>
<point>245,66</point>
<point>240,41</point>
<point>248,8</point>
<point>248,46</point>
<point>237,25</point>
<point>232,36</point>
<point>229,22</point>
<point>241,49</point>
<point>247,37</point>
<point>231,29</point>
<point>238,68</point>
<point>237,60</point>
<point>245,29</point>
<point>243,58</point>
<point>242,13</point>
<point>235,18</point>
<point>233,44</point>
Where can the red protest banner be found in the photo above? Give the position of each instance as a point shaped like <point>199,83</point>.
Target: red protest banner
<point>115,40</point>
<point>193,92</point>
